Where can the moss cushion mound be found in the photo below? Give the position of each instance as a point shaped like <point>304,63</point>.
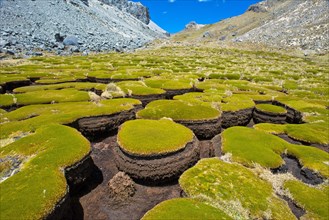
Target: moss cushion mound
<point>46,96</point>
<point>7,100</point>
<point>138,88</point>
<point>75,85</point>
<point>152,137</point>
<point>235,189</point>
<point>200,97</point>
<point>315,201</point>
<point>200,117</point>
<point>169,84</point>
<point>271,108</point>
<point>313,133</point>
<point>311,158</point>
<point>309,132</point>
<point>31,117</point>
<point>177,110</point>
<point>237,102</point>
<point>184,208</point>
<point>270,128</point>
<point>249,146</point>
<point>33,192</point>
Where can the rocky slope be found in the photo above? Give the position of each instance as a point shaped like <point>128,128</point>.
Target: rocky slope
<point>65,26</point>
<point>277,23</point>
<point>305,25</point>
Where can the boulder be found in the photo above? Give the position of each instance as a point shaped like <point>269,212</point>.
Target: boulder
<point>71,40</point>
<point>257,8</point>
<point>59,37</point>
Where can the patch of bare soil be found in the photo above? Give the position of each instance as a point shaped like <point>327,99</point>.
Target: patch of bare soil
<point>296,210</point>
<point>96,202</point>
<point>293,166</point>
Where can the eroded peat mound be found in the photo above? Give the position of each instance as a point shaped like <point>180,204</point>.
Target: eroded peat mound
<point>166,133</point>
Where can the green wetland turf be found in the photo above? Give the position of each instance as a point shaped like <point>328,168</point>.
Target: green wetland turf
<point>222,80</point>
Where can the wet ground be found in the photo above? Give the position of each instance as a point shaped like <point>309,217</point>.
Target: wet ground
<point>94,202</point>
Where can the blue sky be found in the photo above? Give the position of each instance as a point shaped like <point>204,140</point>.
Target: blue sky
<point>173,15</point>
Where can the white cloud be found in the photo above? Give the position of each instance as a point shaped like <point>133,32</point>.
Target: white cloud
<point>171,1</point>
<point>204,0</point>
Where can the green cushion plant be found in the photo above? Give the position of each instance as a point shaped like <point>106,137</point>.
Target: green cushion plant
<point>315,201</point>
<point>131,74</point>
<point>150,137</point>
<point>184,208</point>
<point>33,192</point>
<point>316,133</point>
<point>47,96</point>
<point>7,100</point>
<point>54,80</point>
<point>271,108</point>
<point>249,146</point>
<point>300,104</point>
<point>138,88</point>
<point>200,97</point>
<point>234,189</point>
<point>31,117</point>
<point>309,132</point>
<point>177,110</point>
<point>311,158</point>
<point>11,78</point>
<point>214,84</point>
<point>236,103</point>
<point>76,85</point>
<point>270,128</point>
<point>171,84</point>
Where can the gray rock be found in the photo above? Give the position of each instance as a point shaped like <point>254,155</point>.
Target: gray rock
<point>37,54</point>
<point>222,38</point>
<point>207,34</point>
<point>70,40</point>
<point>4,43</point>
<point>60,46</point>
<point>74,49</point>
<point>136,9</point>
<point>191,25</point>
<point>11,52</point>
<point>59,37</point>
<point>29,53</point>
<point>257,8</point>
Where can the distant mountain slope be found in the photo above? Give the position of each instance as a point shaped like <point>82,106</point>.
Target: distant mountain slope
<point>280,23</point>
<point>95,25</point>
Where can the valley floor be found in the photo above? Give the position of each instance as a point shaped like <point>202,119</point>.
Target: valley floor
<point>197,132</point>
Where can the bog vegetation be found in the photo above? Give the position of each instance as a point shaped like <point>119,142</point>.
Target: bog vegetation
<point>43,96</point>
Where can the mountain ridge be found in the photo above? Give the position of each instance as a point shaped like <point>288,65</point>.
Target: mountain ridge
<point>282,24</point>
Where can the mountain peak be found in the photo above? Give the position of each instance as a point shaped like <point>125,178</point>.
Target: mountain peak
<point>193,26</point>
